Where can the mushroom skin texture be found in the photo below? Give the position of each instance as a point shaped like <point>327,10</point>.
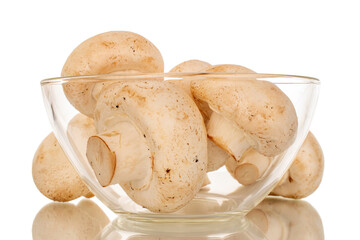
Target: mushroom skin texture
<point>247,113</point>
<point>53,173</point>
<point>221,68</point>
<point>170,168</point>
<point>109,52</point>
<point>190,66</point>
<point>305,173</point>
<point>216,156</point>
<point>67,221</point>
<point>229,68</point>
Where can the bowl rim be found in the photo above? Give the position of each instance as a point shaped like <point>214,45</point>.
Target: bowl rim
<point>296,79</point>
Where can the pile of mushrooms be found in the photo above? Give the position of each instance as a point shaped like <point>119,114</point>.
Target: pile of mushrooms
<point>162,137</point>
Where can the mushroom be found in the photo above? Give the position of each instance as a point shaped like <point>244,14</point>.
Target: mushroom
<point>67,221</point>
<point>302,178</point>
<point>287,219</point>
<point>110,52</point>
<point>190,66</point>
<point>216,156</point>
<point>247,113</point>
<point>305,173</point>
<point>52,171</point>
<point>151,141</point>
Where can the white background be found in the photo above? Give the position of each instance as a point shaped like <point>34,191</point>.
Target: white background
<point>318,38</point>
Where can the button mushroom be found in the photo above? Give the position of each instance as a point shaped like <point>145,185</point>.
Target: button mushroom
<point>70,222</point>
<point>216,156</point>
<point>247,113</point>
<point>108,52</point>
<point>302,178</point>
<point>152,141</point>
<point>52,171</point>
<point>190,66</point>
<point>305,174</point>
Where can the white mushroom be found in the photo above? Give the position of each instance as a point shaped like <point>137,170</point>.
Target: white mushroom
<point>152,141</point>
<point>190,66</point>
<point>109,52</point>
<point>52,171</point>
<point>247,113</point>
<point>70,222</point>
<point>305,173</point>
<point>302,178</point>
<point>216,156</point>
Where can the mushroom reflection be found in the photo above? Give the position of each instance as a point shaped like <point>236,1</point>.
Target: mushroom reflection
<point>274,219</point>
<point>67,221</point>
<point>285,219</point>
<point>235,228</point>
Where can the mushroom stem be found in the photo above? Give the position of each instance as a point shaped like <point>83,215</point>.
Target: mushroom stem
<point>227,135</point>
<point>119,156</point>
<point>252,167</point>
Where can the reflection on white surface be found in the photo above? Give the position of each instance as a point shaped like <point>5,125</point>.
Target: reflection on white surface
<point>273,219</point>
<point>287,219</point>
<point>234,228</point>
<point>67,221</point>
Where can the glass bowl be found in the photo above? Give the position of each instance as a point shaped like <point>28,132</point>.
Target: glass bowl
<point>224,197</point>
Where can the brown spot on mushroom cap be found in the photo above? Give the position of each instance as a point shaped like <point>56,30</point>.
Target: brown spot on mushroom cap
<point>259,108</point>
<point>54,175</point>
<point>305,173</point>
<point>107,53</point>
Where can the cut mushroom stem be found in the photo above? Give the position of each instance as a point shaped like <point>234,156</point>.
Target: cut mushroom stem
<point>119,156</point>
<point>252,167</point>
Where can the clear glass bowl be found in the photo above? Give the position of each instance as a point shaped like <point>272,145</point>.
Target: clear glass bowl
<point>224,197</point>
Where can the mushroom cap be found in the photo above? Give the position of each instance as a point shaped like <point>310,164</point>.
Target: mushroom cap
<point>53,173</point>
<point>108,52</point>
<point>174,131</point>
<point>191,66</point>
<point>229,68</point>
<point>259,108</point>
<point>79,129</point>
<point>306,171</point>
<point>67,221</point>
